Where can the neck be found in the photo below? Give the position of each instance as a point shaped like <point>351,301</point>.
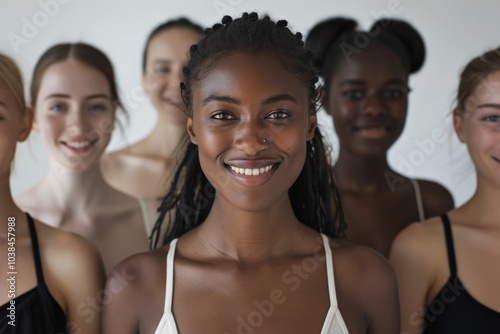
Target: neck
<point>361,174</point>
<point>246,236</point>
<point>483,206</point>
<point>76,191</point>
<point>165,137</point>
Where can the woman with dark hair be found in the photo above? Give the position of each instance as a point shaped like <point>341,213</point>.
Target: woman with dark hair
<point>75,98</point>
<point>253,238</point>
<point>142,169</point>
<point>366,92</point>
<point>48,276</point>
<point>447,277</point>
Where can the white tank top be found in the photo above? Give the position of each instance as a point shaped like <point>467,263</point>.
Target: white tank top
<point>334,323</point>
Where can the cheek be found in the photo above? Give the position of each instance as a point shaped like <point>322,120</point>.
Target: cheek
<point>50,126</point>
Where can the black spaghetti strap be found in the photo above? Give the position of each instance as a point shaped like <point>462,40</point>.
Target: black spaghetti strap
<point>449,244</point>
<point>47,308</point>
<point>36,250</point>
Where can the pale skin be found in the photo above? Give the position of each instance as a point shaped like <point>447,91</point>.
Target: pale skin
<point>73,104</point>
<point>143,169</point>
<point>251,243</point>
<point>423,270</point>
<point>68,260</point>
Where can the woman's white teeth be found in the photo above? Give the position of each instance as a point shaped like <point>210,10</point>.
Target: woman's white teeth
<point>251,171</point>
<point>78,144</point>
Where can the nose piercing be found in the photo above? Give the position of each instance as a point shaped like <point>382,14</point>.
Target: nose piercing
<point>264,141</point>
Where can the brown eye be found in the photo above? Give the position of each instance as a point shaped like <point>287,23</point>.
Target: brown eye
<point>354,94</point>
<point>222,116</point>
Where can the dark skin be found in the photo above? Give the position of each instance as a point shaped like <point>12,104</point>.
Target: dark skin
<point>251,246</point>
<point>368,100</point>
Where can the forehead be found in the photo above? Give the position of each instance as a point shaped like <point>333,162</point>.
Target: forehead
<point>73,78</point>
<point>172,42</point>
<point>250,75</point>
<point>488,89</point>
<point>373,63</point>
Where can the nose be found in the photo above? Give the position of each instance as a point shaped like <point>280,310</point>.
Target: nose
<point>374,105</point>
<point>77,122</point>
<point>252,137</point>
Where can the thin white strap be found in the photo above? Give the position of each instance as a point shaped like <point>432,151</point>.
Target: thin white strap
<point>169,288</point>
<point>418,196</point>
<point>145,217</point>
<point>329,271</point>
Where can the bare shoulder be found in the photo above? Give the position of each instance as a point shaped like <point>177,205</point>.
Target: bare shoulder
<point>359,263</point>
<point>366,288</point>
<point>436,198</point>
<point>138,288</point>
<point>419,242</point>
<point>67,254</point>
<point>145,272</point>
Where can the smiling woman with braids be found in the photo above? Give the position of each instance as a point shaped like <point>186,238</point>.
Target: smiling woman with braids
<point>253,240</point>
<point>366,93</point>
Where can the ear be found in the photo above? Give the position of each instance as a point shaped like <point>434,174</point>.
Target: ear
<point>313,122</point>
<point>190,131</point>
<point>27,122</point>
<point>458,119</point>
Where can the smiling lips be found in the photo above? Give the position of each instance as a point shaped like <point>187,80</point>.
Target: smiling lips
<point>373,131</point>
<point>80,146</point>
<point>251,171</point>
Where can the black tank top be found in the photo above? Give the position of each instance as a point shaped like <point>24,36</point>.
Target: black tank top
<point>36,312</point>
<point>454,310</point>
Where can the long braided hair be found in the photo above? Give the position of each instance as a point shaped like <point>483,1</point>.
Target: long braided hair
<point>313,196</point>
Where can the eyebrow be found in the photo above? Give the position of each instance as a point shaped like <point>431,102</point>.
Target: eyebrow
<point>361,82</point>
<point>232,100</point>
<point>94,96</point>
<point>489,105</point>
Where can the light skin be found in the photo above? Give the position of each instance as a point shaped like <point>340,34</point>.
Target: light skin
<point>250,112</point>
<point>67,259</point>
<point>368,100</point>
<point>143,169</point>
<point>74,116</point>
<point>475,227</point>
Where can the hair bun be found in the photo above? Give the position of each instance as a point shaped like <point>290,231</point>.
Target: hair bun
<point>227,20</point>
<point>282,23</point>
<point>410,38</point>
<point>325,33</point>
<point>253,16</point>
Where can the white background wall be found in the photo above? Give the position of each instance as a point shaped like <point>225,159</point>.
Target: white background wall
<point>454,31</point>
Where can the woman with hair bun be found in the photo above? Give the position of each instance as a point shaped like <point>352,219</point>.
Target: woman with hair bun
<point>366,92</point>
<point>447,267</point>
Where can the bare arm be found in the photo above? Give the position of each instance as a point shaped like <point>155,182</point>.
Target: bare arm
<point>77,270</point>
<point>411,262</point>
